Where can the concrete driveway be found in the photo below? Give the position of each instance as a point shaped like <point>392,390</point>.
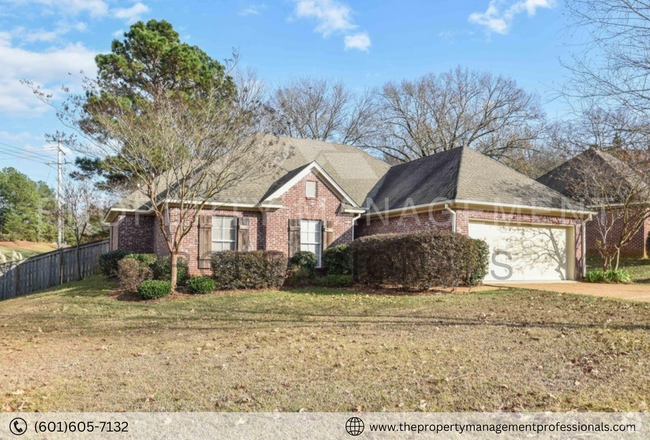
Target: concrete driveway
<point>637,292</point>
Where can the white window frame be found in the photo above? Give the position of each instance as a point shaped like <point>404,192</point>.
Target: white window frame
<point>315,189</point>
<point>315,244</point>
<point>220,241</point>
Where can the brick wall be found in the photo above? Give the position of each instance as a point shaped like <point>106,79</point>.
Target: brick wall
<point>133,233</point>
<point>437,220</point>
<point>190,249</point>
<point>597,227</point>
<point>268,230</point>
<point>296,205</point>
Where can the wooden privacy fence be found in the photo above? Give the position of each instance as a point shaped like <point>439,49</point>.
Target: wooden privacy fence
<point>46,270</point>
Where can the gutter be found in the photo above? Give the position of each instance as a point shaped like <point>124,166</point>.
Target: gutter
<point>354,220</point>
<point>584,244</point>
<point>453,217</point>
<point>470,204</point>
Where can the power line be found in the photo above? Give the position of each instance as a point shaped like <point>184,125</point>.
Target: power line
<point>11,149</point>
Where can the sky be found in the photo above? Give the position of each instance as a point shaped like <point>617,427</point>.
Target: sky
<point>363,43</point>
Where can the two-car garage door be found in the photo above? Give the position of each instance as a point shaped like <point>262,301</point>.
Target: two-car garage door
<point>527,252</point>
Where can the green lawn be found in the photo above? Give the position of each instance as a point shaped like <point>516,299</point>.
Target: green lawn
<point>84,348</point>
<point>26,248</point>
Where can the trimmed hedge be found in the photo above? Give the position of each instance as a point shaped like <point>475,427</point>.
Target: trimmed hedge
<point>201,285</point>
<point>304,260</point>
<point>162,270</point>
<point>108,261</point>
<point>338,260</point>
<point>152,289</point>
<point>248,270</point>
<point>420,260</point>
<point>131,273</point>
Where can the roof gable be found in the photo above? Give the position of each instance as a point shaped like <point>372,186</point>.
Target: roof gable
<point>283,185</point>
<point>563,177</point>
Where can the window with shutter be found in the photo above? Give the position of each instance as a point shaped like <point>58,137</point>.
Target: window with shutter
<point>311,238</point>
<point>224,234</point>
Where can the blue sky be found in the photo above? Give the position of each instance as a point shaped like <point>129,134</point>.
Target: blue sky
<point>363,43</point>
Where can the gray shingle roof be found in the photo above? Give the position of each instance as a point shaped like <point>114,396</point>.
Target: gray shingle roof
<point>355,171</point>
<point>461,174</point>
<point>567,177</point>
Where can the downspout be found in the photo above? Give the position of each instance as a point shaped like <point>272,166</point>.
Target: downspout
<point>354,220</point>
<point>584,245</point>
<point>453,217</point>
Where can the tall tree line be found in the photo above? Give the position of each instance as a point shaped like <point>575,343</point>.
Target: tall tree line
<point>27,208</point>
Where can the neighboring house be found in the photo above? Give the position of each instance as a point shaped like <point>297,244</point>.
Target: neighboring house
<point>323,189</point>
<point>570,179</point>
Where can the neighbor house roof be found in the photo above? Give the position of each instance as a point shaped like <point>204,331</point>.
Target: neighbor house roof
<point>569,177</point>
<point>460,176</point>
<point>352,170</point>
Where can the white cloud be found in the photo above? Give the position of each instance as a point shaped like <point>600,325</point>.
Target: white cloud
<point>119,33</point>
<point>47,36</point>
<point>96,8</point>
<point>132,14</point>
<point>331,17</point>
<point>360,41</point>
<point>500,14</point>
<point>253,10</point>
<point>48,68</point>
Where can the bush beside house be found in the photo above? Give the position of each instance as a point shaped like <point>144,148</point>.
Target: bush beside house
<point>249,270</point>
<point>420,260</point>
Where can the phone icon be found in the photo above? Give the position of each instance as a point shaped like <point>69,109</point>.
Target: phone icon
<point>18,426</point>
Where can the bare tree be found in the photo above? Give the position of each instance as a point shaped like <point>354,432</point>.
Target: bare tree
<point>457,108</point>
<point>611,184</point>
<point>613,63</point>
<point>80,207</point>
<point>324,110</point>
<point>180,152</point>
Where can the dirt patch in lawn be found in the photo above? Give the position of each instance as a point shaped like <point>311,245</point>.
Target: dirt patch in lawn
<point>78,349</point>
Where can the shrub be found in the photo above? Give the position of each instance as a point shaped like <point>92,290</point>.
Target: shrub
<point>148,259</point>
<point>619,276</point>
<point>420,260</point>
<point>201,285</point>
<point>305,260</point>
<point>299,276</point>
<point>249,270</point>
<point>162,270</point>
<point>334,281</point>
<point>152,289</point>
<point>338,260</point>
<point>479,263</point>
<point>131,273</point>
<point>108,261</point>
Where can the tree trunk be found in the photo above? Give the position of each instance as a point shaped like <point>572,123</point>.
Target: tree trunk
<point>174,263</point>
<point>618,258</point>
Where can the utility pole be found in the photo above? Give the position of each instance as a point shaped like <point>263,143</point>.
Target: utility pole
<point>59,214</point>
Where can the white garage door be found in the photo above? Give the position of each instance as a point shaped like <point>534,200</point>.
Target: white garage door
<point>526,253</point>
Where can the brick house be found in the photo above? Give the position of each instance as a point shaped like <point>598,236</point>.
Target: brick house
<point>326,194</point>
<point>569,179</point>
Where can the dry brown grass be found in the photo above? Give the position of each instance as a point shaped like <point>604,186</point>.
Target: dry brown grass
<point>79,348</point>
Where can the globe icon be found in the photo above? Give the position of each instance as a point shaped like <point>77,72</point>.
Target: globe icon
<point>354,426</point>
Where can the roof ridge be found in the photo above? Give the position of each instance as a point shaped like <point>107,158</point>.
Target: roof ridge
<point>359,149</point>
